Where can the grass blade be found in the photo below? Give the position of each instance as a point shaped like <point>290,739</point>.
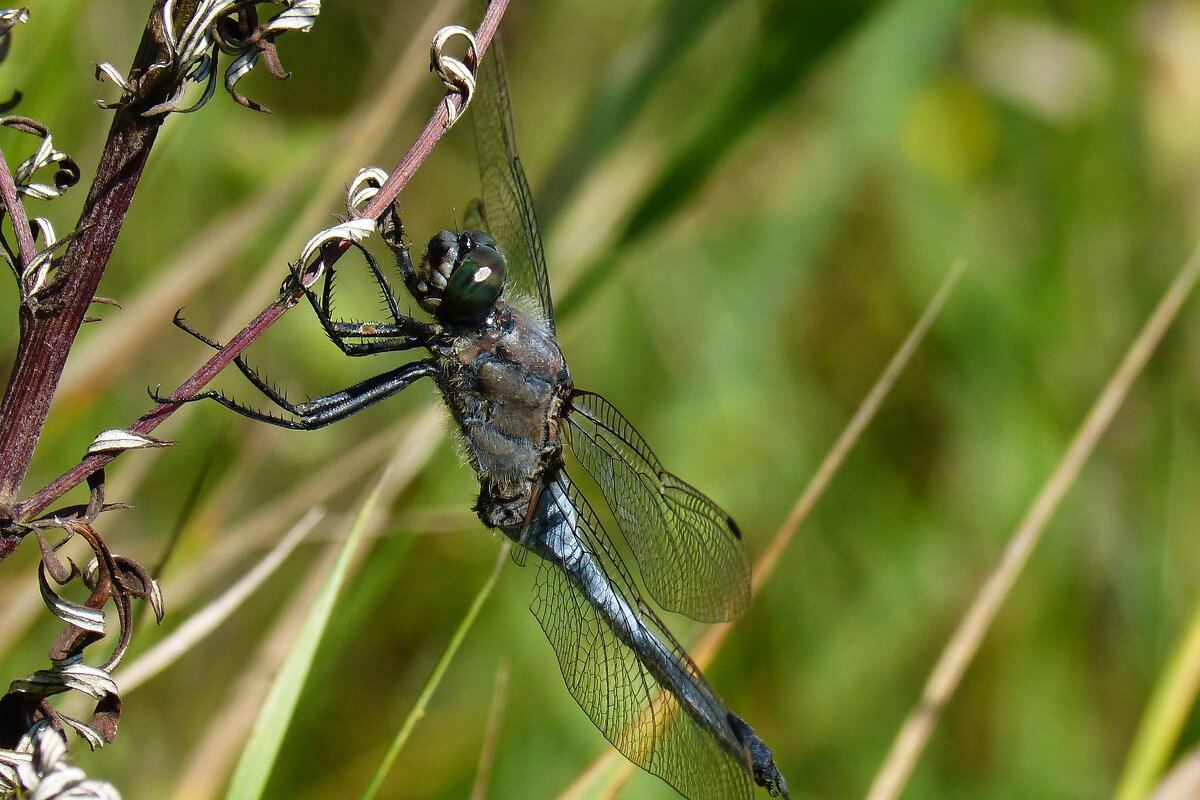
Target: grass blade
<point>487,753</point>
<point>435,678</point>
<point>207,619</point>
<point>1165,715</point>
<point>258,758</point>
<point>964,644</point>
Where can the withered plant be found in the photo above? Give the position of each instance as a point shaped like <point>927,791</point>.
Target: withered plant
<point>186,48</point>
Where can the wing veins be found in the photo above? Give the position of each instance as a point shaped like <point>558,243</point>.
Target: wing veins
<point>689,550</point>
<point>507,199</point>
<point>623,691</point>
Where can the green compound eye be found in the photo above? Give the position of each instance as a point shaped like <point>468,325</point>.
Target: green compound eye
<point>479,237</point>
<point>474,285</point>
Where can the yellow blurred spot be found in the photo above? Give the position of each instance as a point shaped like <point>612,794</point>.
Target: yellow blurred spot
<point>1171,33</point>
<point>948,131</point>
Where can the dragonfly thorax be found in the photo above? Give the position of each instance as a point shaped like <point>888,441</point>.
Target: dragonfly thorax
<point>461,276</point>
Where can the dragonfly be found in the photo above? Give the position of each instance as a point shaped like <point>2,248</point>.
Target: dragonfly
<point>494,356</point>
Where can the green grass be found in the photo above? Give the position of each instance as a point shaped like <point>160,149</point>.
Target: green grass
<point>775,193</point>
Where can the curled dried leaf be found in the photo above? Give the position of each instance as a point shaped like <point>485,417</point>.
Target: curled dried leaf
<point>10,17</point>
<point>36,767</point>
<point>74,614</point>
<point>89,733</point>
<point>312,266</point>
<point>90,680</point>
<point>457,74</point>
<point>60,572</point>
<point>117,440</point>
<point>364,187</point>
<point>216,26</point>
<point>66,175</point>
<point>135,581</point>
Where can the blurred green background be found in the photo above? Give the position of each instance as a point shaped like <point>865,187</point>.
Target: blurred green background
<point>746,206</point>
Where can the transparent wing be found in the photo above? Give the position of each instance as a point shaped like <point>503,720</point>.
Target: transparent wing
<point>688,549</point>
<point>619,662</point>
<point>507,203</point>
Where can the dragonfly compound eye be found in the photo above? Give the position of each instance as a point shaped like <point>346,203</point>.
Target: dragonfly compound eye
<point>474,285</point>
<point>476,238</point>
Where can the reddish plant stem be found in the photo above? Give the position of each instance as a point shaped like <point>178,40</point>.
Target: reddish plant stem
<point>437,126</point>
<point>46,336</point>
<point>150,420</point>
<point>25,252</point>
<point>26,249</point>
<point>45,342</point>
<point>397,180</point>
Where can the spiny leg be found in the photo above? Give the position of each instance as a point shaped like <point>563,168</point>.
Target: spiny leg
<point>260,383</point>
<point>313,413</point>
<point>403,333</point>
<point>407,335</point>
<point>391,230</point>
<point>389,297</point>
<point>323,305</point>
<point>322,411</point>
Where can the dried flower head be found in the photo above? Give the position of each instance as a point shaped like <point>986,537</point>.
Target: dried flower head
<point>217,26</point>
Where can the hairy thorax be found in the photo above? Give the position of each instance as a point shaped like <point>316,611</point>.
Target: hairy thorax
<point>505,382</point>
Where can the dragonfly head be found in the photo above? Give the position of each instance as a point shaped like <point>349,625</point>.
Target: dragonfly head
<point>461,276</point>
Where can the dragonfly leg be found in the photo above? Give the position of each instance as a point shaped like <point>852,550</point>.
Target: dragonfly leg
<point>406,334</point>
<point>320,411</point>
<point>391,230</point>
<point>260,383</point>
<point>402,333</point>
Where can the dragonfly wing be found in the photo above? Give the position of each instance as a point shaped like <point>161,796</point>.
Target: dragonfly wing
<point>689,550</point>
<point>620,663</point>
<point>507,204</point>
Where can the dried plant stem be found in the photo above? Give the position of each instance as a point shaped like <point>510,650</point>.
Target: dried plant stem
<point>965,642</point>
<point>399,177</point>
<point>491,737</point>
<point>16,212</point>
<point>45,340</point>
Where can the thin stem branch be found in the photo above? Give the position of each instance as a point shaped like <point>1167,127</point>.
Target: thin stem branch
<point>964,644</point>
<point>46,338</point>
<point>26,249</point>
<point>434,130</point>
